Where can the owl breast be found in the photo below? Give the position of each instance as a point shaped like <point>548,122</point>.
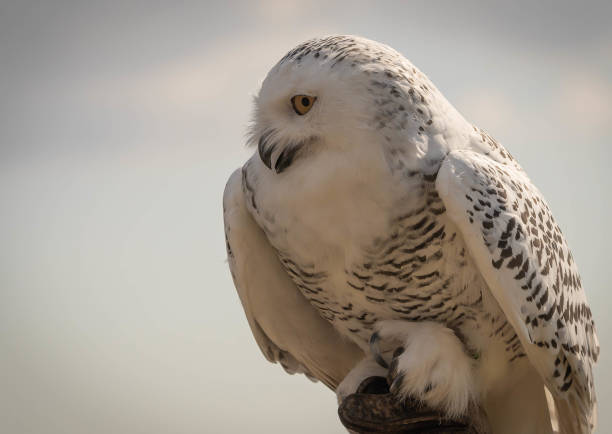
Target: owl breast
<point>361,253</point>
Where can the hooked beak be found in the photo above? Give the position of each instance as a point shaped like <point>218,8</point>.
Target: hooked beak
<point>266,148</point>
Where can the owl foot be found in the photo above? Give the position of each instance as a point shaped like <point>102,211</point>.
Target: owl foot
<point>367,368</point>
<point>430,365</point>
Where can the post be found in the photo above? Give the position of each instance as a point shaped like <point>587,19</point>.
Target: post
<point>373,409</point>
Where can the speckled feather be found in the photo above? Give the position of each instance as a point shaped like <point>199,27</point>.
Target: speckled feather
<point>529,268</point>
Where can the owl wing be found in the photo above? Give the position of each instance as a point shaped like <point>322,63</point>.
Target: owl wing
<point>286,327</point>
<point>524,259</point>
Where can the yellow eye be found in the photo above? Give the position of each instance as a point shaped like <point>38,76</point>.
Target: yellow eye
<point>302,103</point>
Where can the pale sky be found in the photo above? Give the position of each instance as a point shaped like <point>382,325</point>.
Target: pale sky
<point>120,122</point>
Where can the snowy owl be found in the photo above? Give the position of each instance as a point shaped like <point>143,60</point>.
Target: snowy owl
<point>374,226</point>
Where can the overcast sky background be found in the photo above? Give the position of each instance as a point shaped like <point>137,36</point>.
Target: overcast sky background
<point>119,125</point>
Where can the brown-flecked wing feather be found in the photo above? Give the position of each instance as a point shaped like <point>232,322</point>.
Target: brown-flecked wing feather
<point>524,258</point>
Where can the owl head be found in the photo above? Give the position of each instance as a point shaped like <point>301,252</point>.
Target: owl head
<point>340,94</point>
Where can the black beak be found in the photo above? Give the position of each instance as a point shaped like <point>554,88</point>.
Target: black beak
<point>285,159</point>
<point>266,148</point>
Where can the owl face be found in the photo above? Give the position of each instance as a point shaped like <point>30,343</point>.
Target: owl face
<point>323,97</point>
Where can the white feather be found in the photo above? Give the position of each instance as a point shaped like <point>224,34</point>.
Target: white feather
<point>285,325</point>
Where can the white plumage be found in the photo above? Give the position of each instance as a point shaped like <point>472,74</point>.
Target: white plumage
<point>372,205</point>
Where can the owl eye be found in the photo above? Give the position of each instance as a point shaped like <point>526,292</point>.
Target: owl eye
<point>302,103</point>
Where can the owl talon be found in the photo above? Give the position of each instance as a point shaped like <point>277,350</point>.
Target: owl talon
<point>374,339</point>
<point>365,375</point>
<point>374,385</point>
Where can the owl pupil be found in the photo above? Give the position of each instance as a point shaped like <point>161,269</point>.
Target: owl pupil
<point>305,101</point>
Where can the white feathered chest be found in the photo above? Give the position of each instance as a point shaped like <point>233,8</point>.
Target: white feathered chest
<point>363,251</point>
